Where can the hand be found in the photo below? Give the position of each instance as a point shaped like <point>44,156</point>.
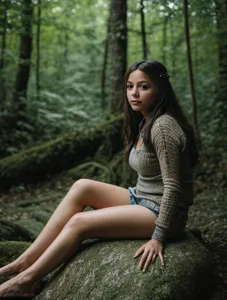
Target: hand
<point>150,251</point>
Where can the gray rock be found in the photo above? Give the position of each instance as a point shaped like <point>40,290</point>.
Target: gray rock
<point>104,270</point>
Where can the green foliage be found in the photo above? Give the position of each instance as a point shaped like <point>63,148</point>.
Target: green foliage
<point>71,57</point>
<point>115,171</point>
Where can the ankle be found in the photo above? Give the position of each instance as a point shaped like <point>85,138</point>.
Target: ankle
<point>31,278</point>
<point>26,283</point>
<point>22,264</point>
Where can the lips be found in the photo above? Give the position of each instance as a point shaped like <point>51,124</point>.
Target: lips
<point>135,102</point>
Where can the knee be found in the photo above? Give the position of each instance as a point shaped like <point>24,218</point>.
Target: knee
<point>82,185</point>
<point>78,223</point>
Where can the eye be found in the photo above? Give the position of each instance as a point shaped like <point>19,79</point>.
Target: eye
<point>144,87</point>
<point>129,86</point>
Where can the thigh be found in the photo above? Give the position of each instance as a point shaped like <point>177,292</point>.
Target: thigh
<point>100,195</point>
<point>127,221</point>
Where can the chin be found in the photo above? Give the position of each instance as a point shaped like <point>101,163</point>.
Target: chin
<point>136,108</point>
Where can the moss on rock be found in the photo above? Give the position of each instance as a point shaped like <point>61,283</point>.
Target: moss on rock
<point>10,231</point>
<point>107,270</point>
<point>33,226</point>
<point>9,251</point>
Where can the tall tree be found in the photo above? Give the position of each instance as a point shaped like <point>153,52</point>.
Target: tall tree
<point>3,26</point>
<point>23,72</point>
<point>103,78</point>
<point>221,13</point>
<point>189,60</point>
<point>118,55</point>
<point>38,49</point>
<point>143,31</point>
<point>164,39</point>
<point>25,54</point>
<point>173,50</point>
<point>164,33</point>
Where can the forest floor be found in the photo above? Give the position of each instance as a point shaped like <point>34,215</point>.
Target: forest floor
<point>32,205</point>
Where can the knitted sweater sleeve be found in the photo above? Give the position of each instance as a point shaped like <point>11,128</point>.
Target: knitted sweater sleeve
<point>165,136</point>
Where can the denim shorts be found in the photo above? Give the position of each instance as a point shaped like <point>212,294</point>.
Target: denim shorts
<point>135,200</point>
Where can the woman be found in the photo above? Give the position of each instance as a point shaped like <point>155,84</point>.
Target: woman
<point>161,146</point>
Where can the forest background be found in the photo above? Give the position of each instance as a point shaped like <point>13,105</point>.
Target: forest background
<point>61,69</point>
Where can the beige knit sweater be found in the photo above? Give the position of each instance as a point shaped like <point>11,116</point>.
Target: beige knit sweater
<point>164,175</point>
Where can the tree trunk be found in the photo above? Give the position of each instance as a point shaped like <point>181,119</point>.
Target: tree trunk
<point>190,71</point>
<point>3,9</point>
<point>221,12</point>
<point>143,31</point>
<point>62,153</point>
<point>103,78</point>
<point>173,50</point>
<point>23,72</point>
<point>118,46</point>
<point>164,39</point>
<point>38,50</point>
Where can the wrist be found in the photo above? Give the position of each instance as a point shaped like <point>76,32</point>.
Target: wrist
<point>159,234</point>
<point>157,241</point>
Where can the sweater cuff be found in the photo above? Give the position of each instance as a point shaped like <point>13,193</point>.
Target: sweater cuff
<point>159,234</point>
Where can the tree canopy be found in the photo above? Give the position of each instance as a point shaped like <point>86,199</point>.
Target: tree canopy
<point>57,62</point>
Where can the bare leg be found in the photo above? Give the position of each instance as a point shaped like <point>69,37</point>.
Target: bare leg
<point>83,193</point>
<point>114,222</point>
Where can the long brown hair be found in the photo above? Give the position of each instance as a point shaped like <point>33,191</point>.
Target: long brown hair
<point>166,102</point>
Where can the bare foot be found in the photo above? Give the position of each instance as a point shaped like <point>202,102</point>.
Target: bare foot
<point>19,286</point>
<point>15,267</point>
<point>9,269</point>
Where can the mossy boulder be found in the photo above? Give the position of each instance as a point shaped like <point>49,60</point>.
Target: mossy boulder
<point>10,231</point>
<point>107,270</point>
<point>9,251</point>
<point>32,226</point>
<point>62,153</point>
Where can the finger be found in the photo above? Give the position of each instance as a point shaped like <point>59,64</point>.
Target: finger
<point>148,261</point>
<point>161,258</point>
<point>138,252</point>
<point>143,259</point>
<point>154,258</point>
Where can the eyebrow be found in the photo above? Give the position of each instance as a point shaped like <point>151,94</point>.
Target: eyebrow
<point>139,81</point>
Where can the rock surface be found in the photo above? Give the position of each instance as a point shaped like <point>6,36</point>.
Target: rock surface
<point>9,251</point>
<point>104,270</point>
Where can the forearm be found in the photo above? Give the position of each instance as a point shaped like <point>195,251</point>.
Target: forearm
<point>167,212</point>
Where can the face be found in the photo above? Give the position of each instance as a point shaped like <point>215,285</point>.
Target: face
<point>140,92</point>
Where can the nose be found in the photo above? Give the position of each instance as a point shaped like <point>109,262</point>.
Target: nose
<point>135,91</point>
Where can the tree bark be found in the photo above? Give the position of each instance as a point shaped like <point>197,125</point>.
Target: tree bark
<point>190,70</point>
<point>23,72</point>
<point>221,110</point>
<point>221,12</point>
<point>143,31</point>
<point>118,57</point>
<point>3,9</point>
<point>103,78</point>
<point>38,50</point>
<point>164,39</point>
<point>173,51</point>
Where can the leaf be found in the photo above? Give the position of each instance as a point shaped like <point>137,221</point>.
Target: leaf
<point>74,110</point>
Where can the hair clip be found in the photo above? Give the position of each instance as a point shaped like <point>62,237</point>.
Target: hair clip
<point>164,75</point>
